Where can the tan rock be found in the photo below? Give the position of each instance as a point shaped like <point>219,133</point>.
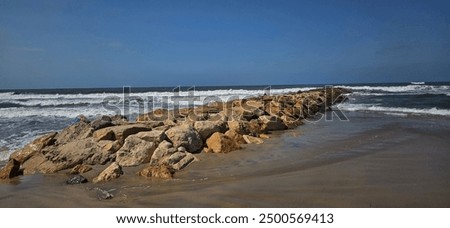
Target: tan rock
<point>272,123</point>
<point>241,127</point>
<point>34,147</point>
<point>107,154</point>
<point>185,136</point>
<point>165,148</point>
<point>185,161</point>
<point>291,122</point>
<point>221,143</point>
<point>135,151</point>
<point>207,128</point>
<point>12,169</point>
<point>121,132</point>
<point>77,131</point>
<point>252,140</point>
<point>71,154</point>
<point>161,171</point>
<point>111,172</point>
<point>155,136</point>
<point>80,169</point>
<point>235,136</point>
<point>104,134</point>
<point>264,136</point>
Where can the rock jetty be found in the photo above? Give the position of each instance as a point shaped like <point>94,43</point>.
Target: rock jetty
<point>165,141</point>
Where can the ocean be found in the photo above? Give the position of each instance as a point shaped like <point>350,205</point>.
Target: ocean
<point>25,114</point>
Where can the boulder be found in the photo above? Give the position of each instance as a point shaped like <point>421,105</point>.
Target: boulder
<point>273,108</point>
<point>161,171</point>
<point>108,152</point>
<point>12,169</point>
<point>185,136</point>
<point>135,151</point>
<point>80,168</point>
<point>120,132</point>
<point>104,134</point>
<point>184,161</point>
<point>77,179</point>
<point>240,127</point>
<point>235,136</point>
<point>207,128</point>
<point>69,155</point>
<point>111,172</point>
<point>291,122</point>
<point>102,122</point>
<point>164,149</point>
<point>34,147</point>
<point>255,128</point>
<point>221,143</point>
<point>77,131</point>
<point>252,140</point>
<point>272,123</point>
<point>155,136</point>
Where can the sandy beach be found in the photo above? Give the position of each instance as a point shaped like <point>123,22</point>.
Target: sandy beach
<point>373,160</point>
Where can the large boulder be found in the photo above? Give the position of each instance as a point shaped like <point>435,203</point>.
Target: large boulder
<point>272,123</point>
<point>34,147</point>
<point>104,134</point>
<point>119,132</point>
<point>135,151</point>
<point>185,136</point>
<point>235,136</point>
<point>12,169</point>
<point>102,122</point>
<point>69,155</point>
<point>221,143</point>
<point>108,152</point>
<point>77,131</point>
<point>155,136</point>
<point>207,128</point>
<point>165,148</point>
<point>111,172</point>
<point>241,127</point>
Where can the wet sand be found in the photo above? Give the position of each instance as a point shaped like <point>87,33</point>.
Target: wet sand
<point>373,160</point>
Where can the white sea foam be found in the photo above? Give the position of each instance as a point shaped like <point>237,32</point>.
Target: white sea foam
<point>97,98</point>
<point>377,108</point>
<point>91,104</point>
<point>416,89</point>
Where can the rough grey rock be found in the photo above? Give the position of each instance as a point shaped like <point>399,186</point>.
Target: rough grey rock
<point>77,179</point>
<point>103,194</point>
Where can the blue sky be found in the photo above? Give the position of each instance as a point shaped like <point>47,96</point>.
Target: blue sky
<point>53,44</point>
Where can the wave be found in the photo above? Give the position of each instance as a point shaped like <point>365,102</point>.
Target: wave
<point>10,100</point>
<point>431,89</point>
<point>392,110</point>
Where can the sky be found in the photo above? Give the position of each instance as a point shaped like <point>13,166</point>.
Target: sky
<point>79,44</point>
